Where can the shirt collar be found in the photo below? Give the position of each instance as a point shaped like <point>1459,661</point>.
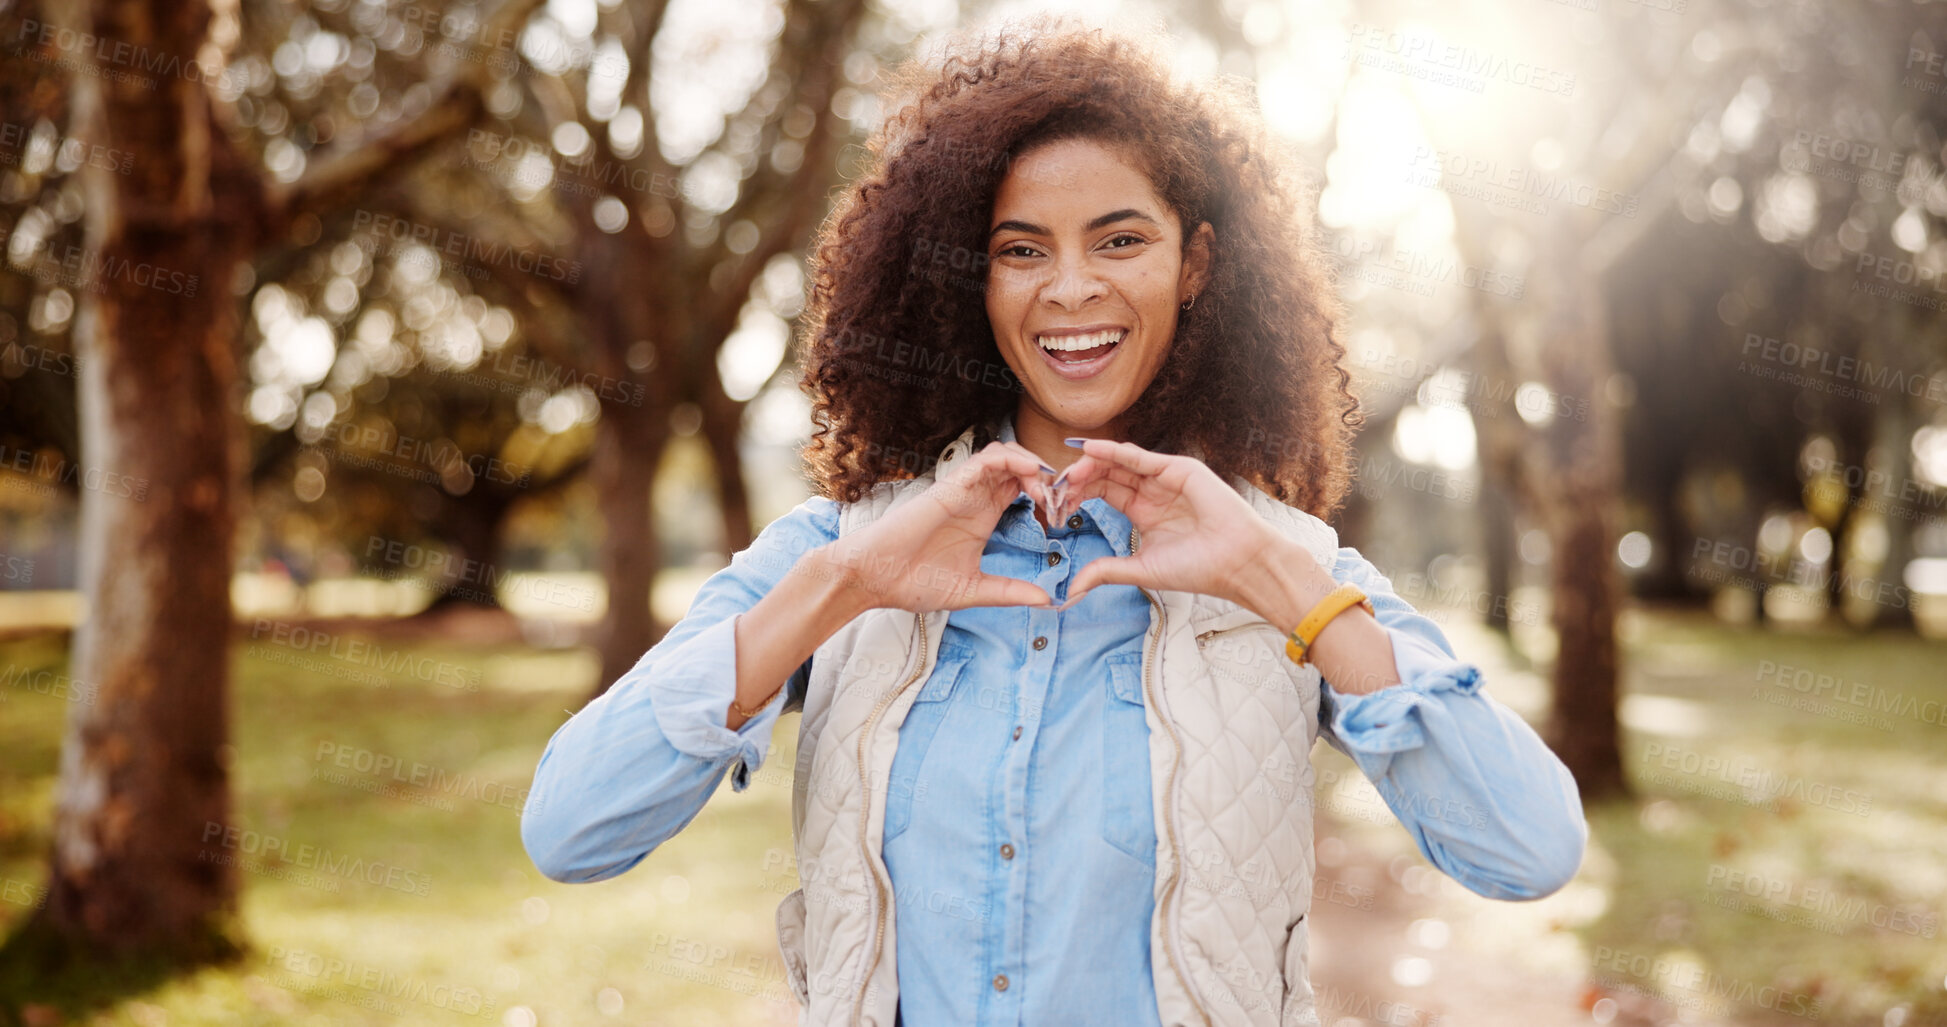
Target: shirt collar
<point>1018,521</point>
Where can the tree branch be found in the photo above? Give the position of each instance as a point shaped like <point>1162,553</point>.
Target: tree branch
<point>353,168</point>
<point>829,30</point>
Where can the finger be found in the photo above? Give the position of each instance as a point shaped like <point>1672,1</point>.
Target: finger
<point>1015,459</point>
<point>1117,494</point>
<point>1071,499</point>
<point>1078,476</point>
<point>1089,469</point>
<point>996,475</point>
<point>1000,590</point>
<point>968,494</point>
<point>1079,471</point>
<point>1017,448</point>
<point>1075,490</point>
<point>1046,494</point>
<point>1110,570</point>
<point>1127,454</point>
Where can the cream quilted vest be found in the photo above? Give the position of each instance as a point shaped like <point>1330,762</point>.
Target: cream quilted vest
<point>1231,727</point>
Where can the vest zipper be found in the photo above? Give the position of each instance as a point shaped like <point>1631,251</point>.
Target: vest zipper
<point>865,800</point>
<point>1169,807</point>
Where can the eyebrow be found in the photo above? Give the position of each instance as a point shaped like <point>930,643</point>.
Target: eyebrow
<point>1126,214</point>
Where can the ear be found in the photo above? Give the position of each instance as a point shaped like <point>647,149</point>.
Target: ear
<point>1196,262</point>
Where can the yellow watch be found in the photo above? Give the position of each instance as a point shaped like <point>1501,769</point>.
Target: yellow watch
<point>1298,645</point>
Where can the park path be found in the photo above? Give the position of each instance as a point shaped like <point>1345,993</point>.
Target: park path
<point>1413,953</point>
<point>1396,943</point>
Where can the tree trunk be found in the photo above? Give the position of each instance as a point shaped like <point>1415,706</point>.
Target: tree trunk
<point>1583,490</point>
<point>139,862</point>
<point>1664,579</point>
<point>1894,422</point>
<point>723,430</point>
<point>471,525</point>
<point>629,443</point>
<point>1499,428</point>
<point>1497,551</point>
<point>1353,520</point>
<point>144,792</point>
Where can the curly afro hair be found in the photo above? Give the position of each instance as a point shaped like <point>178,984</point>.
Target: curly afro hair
<point>897,353</point>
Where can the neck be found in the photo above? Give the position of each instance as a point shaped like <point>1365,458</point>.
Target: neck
<point>1044,436</point>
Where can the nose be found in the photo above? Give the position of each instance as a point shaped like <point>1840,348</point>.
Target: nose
<point>1073,285</point>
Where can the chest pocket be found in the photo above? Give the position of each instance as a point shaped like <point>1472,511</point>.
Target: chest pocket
<point>1128,821</point>
<point>907,780</point>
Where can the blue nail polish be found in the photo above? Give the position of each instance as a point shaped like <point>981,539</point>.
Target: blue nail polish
<point>1045,467</point>
<point>1077,443</point>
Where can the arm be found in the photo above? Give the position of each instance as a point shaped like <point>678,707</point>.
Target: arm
<point>636,765</point>
<point>1484,799</point>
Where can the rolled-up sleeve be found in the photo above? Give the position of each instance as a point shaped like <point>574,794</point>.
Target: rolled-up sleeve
<point>1484,798</point>
<point>636,765</point>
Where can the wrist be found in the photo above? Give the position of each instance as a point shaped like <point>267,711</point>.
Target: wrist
<point>841,591</point>
<point>1283,585</point>
<point>817,597</point>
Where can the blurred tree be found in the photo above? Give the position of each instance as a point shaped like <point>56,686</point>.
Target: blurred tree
<point>1822,174</point>
<point>412,431</point>
<point>173,209</point>
<point>1722,144</point>
<point>675,232</point>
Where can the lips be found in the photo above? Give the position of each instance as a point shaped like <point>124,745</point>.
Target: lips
<point>1076,354</point>
<point>1080,343</point>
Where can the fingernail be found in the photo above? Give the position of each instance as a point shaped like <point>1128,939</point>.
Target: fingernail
<point>1045,467</point>
<point>1077,443</point>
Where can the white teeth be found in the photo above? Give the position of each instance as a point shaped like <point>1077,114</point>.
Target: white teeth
<point>1067,343</point>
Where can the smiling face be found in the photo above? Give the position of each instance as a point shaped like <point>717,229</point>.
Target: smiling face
<point>1087,272</point>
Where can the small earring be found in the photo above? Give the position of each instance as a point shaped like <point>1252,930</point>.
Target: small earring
<point>1191,302</point>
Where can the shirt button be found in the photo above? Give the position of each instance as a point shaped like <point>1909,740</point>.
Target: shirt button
<point>1041,641</point>
<point>1007,851</point>
<point>1017,732</point>
<point>1074,520</point>
<point>1000,982</point>
<point>1054,558</point>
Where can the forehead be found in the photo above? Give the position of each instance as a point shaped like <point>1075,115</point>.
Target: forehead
<point>1074,179</point>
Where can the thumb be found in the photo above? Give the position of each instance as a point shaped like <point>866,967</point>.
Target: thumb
<point>1000,590</point>
<point>1109,570</point>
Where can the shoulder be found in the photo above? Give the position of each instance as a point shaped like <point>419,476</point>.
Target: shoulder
<point>811,523</point>
<point>1300,526</point>
<point>880,498</point>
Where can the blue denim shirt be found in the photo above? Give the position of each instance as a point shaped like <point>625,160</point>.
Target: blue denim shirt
<point>1018,830</point>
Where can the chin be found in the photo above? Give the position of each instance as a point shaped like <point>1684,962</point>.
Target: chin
<point>1089,413</point>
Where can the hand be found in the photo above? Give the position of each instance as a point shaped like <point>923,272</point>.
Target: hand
<point>925,554</point>
<point>1198,534</point>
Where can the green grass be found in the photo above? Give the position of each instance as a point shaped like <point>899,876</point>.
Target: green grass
<point>688,936</point>
<point>1659,865</point>
<point>1846,861</point>
<point>489,933</point>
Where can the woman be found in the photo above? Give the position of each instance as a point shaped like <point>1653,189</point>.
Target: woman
<point>1053,765</point>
